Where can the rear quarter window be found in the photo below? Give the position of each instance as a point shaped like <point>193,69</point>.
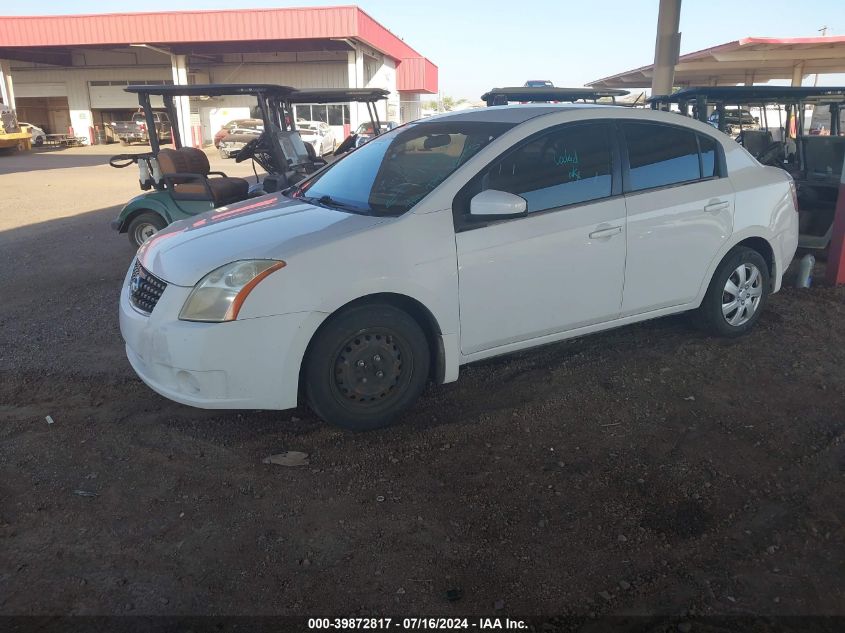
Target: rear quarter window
<point>660,155</point>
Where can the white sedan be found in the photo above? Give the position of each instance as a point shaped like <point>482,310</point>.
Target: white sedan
<point>318,135</point>
<point>451,240</point>
<point>38,135</point>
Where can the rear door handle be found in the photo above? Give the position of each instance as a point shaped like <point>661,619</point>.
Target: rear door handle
<point>608,231</point>
<point>716,206</point>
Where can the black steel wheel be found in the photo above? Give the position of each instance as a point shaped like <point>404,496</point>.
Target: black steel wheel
<point>366,366</point>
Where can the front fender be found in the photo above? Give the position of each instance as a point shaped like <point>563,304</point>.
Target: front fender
<point>152,201</point>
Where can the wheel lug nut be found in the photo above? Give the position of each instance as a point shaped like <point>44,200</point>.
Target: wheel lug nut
<point>361,363</point>
<point>379,374</point>
<point>376,358</point>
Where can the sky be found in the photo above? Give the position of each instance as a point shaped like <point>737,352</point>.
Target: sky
<point>478,45</point>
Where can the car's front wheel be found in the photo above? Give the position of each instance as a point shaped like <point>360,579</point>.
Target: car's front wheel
<point>39,141</point>
<point>143,226</point>
<point>366,365</point>
<point>737,293</point>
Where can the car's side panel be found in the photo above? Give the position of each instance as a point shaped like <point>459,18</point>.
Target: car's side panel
<point>541,274</point>
<point>673,234</point>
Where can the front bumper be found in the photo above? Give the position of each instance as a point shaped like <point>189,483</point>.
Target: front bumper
<point>245,364</point>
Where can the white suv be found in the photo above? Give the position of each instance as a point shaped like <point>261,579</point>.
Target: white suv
<point>450,240</point>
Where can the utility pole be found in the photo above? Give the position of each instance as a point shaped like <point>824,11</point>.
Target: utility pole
<point>823,31</point>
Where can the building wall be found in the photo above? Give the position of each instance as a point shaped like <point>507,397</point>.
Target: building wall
<point>74,84</point>
<point>329,69</point>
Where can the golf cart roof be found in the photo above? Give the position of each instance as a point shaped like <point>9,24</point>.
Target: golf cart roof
<point>521,93</point>
<point>338,95</point>
<point>211,90</point>
<point>755,94</point>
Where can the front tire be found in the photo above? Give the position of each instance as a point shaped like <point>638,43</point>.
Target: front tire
<point>143,226</point>
<point>39,141</point>
<point>366,366</point>
<point>737,294</point>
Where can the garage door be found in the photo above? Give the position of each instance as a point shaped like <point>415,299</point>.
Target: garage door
<point>40,90</point>
<point>110,95</point>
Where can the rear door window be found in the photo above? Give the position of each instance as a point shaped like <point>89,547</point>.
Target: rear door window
<point>707,147</point>
<point>660,155</point>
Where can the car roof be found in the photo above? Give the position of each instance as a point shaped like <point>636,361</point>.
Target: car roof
<point>510,113</point>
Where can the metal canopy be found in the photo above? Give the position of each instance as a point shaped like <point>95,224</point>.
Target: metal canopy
<point>755,94</point>
<point>749,60</point>
<point>338,95</point>
<point>500,96</point>
<point>211,90</point>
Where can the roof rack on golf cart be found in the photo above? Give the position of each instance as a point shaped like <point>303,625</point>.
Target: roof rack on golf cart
<point>368,96</point>
<point>503,96</point>
<point>177,180</point>
<point>813,160</point>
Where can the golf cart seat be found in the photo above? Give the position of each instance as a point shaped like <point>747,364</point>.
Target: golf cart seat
<point>756,141</point>
<point>186,172</point>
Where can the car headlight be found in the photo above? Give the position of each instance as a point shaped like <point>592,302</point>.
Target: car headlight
<point>220,294</point>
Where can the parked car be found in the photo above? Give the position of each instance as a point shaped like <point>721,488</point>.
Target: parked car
<point>735,118</point>
<point>233,142</point>
<point>318,135</point>
<point>136,130</point>
<point>238,125</point>
<point>451,240</point>
<point>38,134</point>
<point>363,134</point>
<point>538,83</point>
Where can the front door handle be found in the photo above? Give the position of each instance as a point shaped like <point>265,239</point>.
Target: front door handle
<point>607,231</point>
<point>717,205</point>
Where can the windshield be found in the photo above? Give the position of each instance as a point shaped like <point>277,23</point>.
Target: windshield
<point>395,170</point>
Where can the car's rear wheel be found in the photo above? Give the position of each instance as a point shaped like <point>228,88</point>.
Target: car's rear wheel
<point>39,141</point>
<point>366,366</point>
<point>143,226</point>
<point>737,293</point>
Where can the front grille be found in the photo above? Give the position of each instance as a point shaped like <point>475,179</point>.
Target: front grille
<point>145,289</point>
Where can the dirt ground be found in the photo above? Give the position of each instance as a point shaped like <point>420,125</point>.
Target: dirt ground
<point>647,470</point>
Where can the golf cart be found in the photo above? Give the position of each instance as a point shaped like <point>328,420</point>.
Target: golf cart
<point>813,160</point>
<point>178,180</point>
<point>324,96</point>
<point>522,94</point>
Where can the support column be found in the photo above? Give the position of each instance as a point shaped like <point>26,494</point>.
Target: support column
<point>355,71</point>
<point>797,75</point>
<point>7,91</point>
<point>666,47</point>
<point>179,65</point>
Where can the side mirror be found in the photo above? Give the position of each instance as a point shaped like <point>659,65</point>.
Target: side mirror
<point>497,205</point>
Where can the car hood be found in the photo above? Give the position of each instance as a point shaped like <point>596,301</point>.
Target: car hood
<point>270,227</point>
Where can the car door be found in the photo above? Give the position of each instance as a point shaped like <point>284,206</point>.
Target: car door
<point>680,212</point>
<point>559,267</point>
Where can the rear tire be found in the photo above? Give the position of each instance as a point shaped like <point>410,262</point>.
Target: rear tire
<point>39,141</point>
<point>366,366</point>
<point>737,294</point>
<point>143,226</point>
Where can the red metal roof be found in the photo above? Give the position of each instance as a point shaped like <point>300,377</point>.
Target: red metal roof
<point>757,59</point>
<point>252,25</point>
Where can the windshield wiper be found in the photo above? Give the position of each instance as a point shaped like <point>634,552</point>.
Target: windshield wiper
<point>328,201</point>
